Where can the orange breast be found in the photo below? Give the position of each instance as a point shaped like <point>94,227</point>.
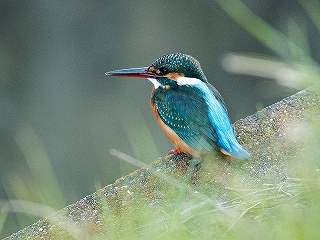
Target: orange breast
<point>173,137</point>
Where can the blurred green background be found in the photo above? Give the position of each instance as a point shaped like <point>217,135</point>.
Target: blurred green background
<point>60,115</point>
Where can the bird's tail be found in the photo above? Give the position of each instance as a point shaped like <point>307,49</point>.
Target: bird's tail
<point>237,151</point>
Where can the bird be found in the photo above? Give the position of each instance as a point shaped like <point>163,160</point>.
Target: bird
<point>189,110</point>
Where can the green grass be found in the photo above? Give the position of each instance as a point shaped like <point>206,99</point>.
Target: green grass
<point>271,210</point>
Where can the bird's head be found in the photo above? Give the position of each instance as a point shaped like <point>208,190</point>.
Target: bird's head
<point>177,68</point>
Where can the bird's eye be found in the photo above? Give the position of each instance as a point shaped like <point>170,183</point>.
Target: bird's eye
<point>162,71</point>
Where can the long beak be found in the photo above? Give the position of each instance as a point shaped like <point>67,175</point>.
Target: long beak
<point>132,72</point>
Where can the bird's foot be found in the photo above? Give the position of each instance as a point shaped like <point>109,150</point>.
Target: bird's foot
<point>178,155</point>
<point>175,152</point>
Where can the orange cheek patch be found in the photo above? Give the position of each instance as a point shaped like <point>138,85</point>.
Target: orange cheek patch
<point>174,76</point>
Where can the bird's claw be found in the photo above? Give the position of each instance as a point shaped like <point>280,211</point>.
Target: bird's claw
<point>175,152</point>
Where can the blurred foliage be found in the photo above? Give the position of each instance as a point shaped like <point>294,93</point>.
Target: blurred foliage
<point>59,115</point>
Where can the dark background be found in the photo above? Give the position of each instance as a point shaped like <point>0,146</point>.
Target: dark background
<point>60,115</point>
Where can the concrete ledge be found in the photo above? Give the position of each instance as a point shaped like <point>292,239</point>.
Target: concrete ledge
<point>273,137</point>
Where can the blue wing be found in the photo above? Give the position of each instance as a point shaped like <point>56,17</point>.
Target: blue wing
<point>218,116</point>
<point>185,113</point>
<point>197,114</point>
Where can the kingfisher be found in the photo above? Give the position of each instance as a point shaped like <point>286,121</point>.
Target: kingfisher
<point>189,110</point>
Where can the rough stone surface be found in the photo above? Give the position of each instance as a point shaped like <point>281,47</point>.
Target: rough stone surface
<point>272,136</point>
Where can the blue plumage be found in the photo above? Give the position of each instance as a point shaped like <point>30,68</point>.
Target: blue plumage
<point>220,121</point>
<point>197,117</point>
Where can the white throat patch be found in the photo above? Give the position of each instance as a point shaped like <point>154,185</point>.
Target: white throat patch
<point>155,82</point>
